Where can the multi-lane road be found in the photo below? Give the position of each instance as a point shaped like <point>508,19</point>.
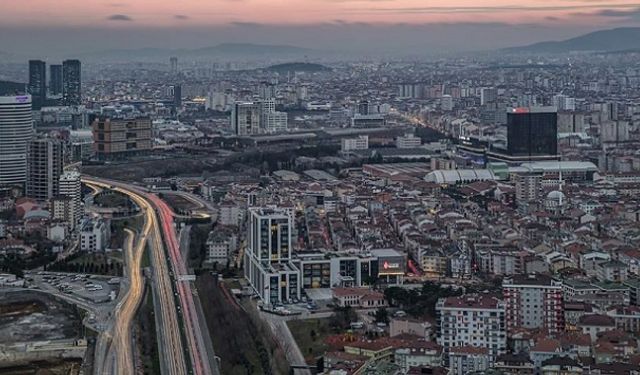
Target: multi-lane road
<point>172,356</point>
<point>160,220</point>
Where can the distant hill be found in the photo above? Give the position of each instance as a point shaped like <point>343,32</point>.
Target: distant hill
<point>251,49</point>
<point>298,67</point>
<point>620,39</point>
<point>220,50</point>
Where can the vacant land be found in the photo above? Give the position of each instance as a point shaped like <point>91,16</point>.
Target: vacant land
<point>243,343</point>
<point>54,367</point>
<point>29,316</point>
<point>309,335</point>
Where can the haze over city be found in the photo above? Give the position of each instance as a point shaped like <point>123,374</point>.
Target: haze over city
<point>361,26</point>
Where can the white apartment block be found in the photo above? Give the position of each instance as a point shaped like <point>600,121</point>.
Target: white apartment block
<point>472,320</point>
<point>408,141</point>
<point>359,143</point>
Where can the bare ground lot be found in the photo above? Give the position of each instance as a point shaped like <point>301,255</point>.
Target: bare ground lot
<point>29,316</point>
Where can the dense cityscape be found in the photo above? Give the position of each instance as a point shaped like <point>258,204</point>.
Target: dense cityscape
<point>256,209</point>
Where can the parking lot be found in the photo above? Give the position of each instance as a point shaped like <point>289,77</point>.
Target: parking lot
<point>91,288</point>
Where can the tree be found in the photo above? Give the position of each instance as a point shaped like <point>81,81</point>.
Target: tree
<point>382,315</point>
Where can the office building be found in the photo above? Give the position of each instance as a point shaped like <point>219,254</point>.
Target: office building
<point>272,121</point>
<point>408,141</point>
<point>176,90</point>
<point>71,82</point>
<point>174,65</point>
<point>488,95</point>
<point>360,142</point>
<point>55,80</point>
<point>368,121</point>
<point>534,302</point>
<point>44,167</point>
<point>70,188</point>
<point>275,122</point>
<point>245,118</point>
<point>37,83</point>
<point>16,130</point>
<point>121,138</point>
<point>267,259</point>
<point>532,131</point>
<point>472,320</point>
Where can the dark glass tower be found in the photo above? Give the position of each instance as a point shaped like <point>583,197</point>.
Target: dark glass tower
<point>71,82</point>
<point>532,132</point>
<point>55,79</point>
<point>37,83</point>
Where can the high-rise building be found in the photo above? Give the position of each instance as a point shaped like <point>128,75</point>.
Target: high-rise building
<point>528,187</point>
<point>614,131</point>
<point>534,302</point>
<point>120,138</point>
<point>532,131</point>
<point>70,188</point>
<point>267,260</point>
<point>272,121</point>
<point>71,82</point>
<point>245,118</point>
<point>55,79</point>
<point>44,167</point>
<point>472,320</point>
<point>363,108</point>
<point>488,95</point>
<point>16,130</point>
<point>37,83</point>
<point>177,96</point>
<point>174,65</point>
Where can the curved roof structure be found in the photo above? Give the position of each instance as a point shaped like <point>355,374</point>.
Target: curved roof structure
<point>453,176</point>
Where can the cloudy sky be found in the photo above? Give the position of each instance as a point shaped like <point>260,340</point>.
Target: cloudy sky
<point>49,26</point>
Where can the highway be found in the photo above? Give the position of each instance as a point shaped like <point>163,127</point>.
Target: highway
<point>202,364</point>
<point>171,351</point>
<point>171,348</point>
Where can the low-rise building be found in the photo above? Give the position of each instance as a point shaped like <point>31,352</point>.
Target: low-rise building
<point>358,297</point>
<point>95,234</point>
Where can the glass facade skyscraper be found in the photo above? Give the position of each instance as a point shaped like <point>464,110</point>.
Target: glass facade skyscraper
<point>532,131</point>
<point>71,82</point>
<point>38,83</point>
<point>55,79</point>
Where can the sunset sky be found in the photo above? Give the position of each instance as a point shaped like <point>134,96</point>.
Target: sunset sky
<point>26,25</point>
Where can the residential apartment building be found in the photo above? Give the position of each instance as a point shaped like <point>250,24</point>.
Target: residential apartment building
<point>472,320</point>
<point>44,167</point>
<point>95,235</point>
<point>535,302</point>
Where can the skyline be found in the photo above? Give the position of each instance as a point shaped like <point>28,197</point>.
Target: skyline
<point>40,28</point>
